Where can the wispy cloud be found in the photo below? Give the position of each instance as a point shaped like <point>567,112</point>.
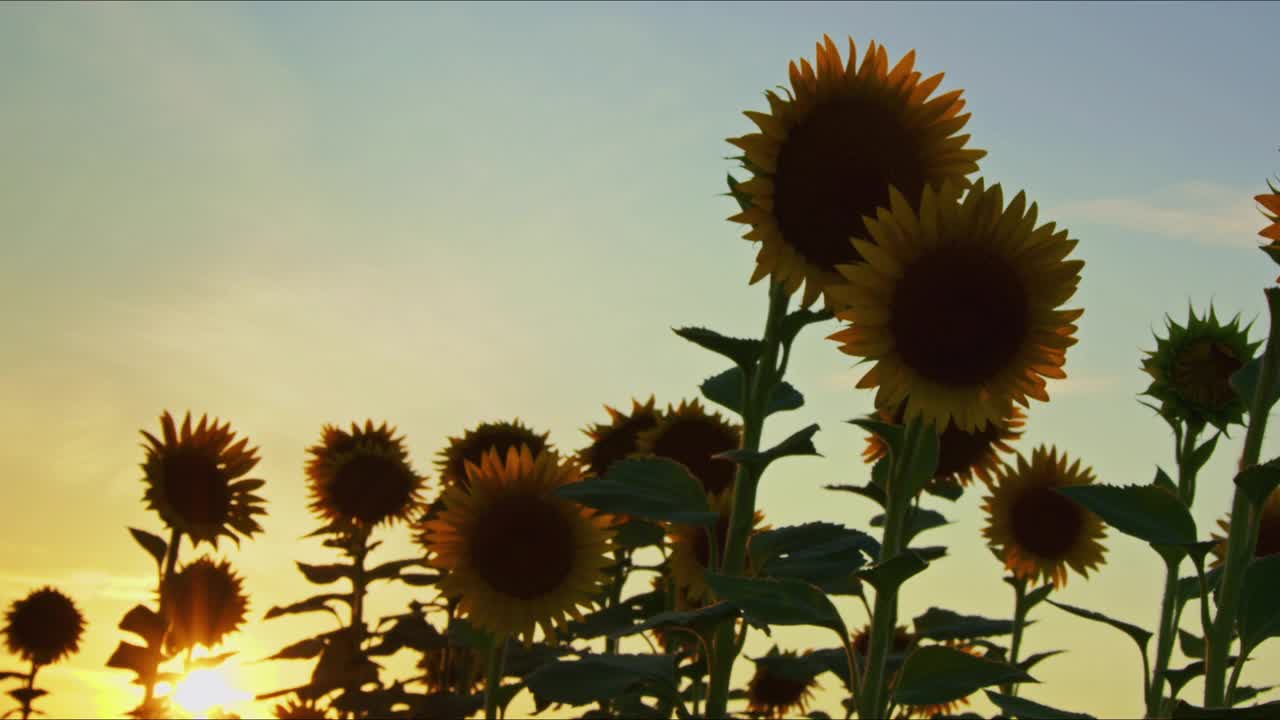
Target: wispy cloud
<point>88,583</point>
<point>1194,210</point>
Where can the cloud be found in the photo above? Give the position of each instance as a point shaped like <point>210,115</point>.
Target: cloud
<point>82,584</point>
<point>1203,212</point>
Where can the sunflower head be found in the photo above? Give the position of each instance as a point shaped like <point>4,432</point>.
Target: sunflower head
<point>962,455</point>
<point>691,549</point>
<point>192,478</point>
<point>363,477</point>
<point>1191,369</point>
<point>1040,532</point>
<point>515,555</point>
<point>502,436</point>
<point>301,710</point>
<point>43,627</point>
<point>208,603</point>
<point>827,154</point>
<point>618,439</point>
<point>780,688</point>
<point>1268,531</point>
<point>958,304</point>
<point>693,437</point>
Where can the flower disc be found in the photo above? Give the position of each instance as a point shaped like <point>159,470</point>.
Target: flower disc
<point>957,305</point>
<point>693,437</point>
<point>780,687</point>
<point>827,154</point>
<point>191,479</point>
<point>1039,532</point>
<point>617,440</point>
<point>207,602</point>
<point>474,443</point>
<point>1191,370</point>
<point>43,627</point>
<point>515,555</point>
<point>363,477</point>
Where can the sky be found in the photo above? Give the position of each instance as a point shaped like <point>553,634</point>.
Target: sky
<point>286,215</point>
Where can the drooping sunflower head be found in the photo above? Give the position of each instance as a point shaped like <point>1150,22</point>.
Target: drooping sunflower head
<point>958,305</point>
<point>515,555</point>
<point>781,687</point>
<point>363,477</point>
<point>301,710</point>
<point>691,548</point>
<point>827,154</point>
<point>1268,531</point>
<point>208,604</point>
<point>693,437</point>
<point>618,439</point>
<point>1191,369</point>
<point>451,462</point>
<point>1040,532</point>
<point>962,455</point>
<point>43,627</point>
<point>193,480</point>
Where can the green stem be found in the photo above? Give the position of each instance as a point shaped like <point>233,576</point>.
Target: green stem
<point>31,683</point>
<point>1240,537</point>
<point>360,551</point>
<point>170,564</point>
<point>1235,678</point>
<point>763,378</point>
<point>1164,642</point>
<point>493,677</point>
<point>1019,622</point>
<point>620,561</point>
<point>885,617</point>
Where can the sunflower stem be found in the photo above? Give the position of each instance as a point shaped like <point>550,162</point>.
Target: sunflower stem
<point>1186,469</point>
<point>493,676</point>
<point>1019,622</point>
<point>1242,535</point>
<point>760,384</point>
<point>360,551</point>
<point>1164,642</point>
<point>170,564</point>
<point>31,683</point>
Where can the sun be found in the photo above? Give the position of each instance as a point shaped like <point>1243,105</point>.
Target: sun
<point>207,689</point>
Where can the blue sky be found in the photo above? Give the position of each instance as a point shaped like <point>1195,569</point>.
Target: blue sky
<point>437,214</point>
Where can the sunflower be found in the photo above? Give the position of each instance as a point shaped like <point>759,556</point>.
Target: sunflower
<point>192,483</point>
<point>691,552</point>
<point>1040,532</point>
<point>1191,369</point>
<point>961,454</point>
<point>513,553</point>
<point>1271,210</point>
<point>693,437</point>
<point>473,444</point>
<point>617,440</point>
<point>301,710</point>
<point>362,477</point>
<point>777,690</point>
<point>207,603</point>
<point>957,306</point>
<point>1268,531</point>
<point>827,155</point>
<point>43,627</point>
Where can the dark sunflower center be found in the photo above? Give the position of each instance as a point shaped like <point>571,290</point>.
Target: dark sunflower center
<point>523,546</point>
<point>701,547</point>
<point>1202,373</point>
<point>1268,535</point>
<point>959,451</point>
<point>836,166</point>
<point>45,626</point>
<point>617,443</point>
<point>1046,523</point>
<point>371,488</point>
<point>693,443</point>
<point>196,487</point>
<point>776,690</point>
<point>959,315</point>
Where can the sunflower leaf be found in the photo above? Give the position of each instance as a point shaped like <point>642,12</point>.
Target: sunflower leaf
<point>145,623</point>
<point>599,677</point>
<point>391,570</point>
<point>618,617</point>
<point>929,553</point>
<point>816,552</point>
<point>798,443</point>
<point>213,661</point>
<point>1201,454</point>
<point>410,631</point>
<point>153,544</point>
<point>1186,711</point>
<point>1146,512</point>
<point>323,574</point>
<point>891,435</point>
<point>1037,596</point>
<point>1140,636</point>
<point>798,320</point>
<point>708,616</point>
<point>1016,707</point>
<point>654,488</point>
<point>869,491</point>
<point>1258,481</point>
<point>918,520</point>
<point>1245,383</point>
<point>833,660</point>
<point>726,390</point>
<point>1162,480</point>
<point>923,463</point>
<point>1189,587</point>
<point>1033,660</point>
<point>301,650</point>
<point>638,533</point>
<point>1259,616</point>
<point>939,624</point>
<point>419,579</point>
<point>938,674</point>
<point>777,601</point>
<point>1180,677</point>
<point>890,574</point>
<point>1246,693</point>
<point>1190,644</point>
<point>464,633</point>
<point>128,656</point>
<point>947,488</point>
<point>317,603</point>
<point>743,352</point>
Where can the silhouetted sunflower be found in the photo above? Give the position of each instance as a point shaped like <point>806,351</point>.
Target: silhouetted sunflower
<point>1268,531</point>
<point>43,627</point>
<point>961,455</point>
<point>780,689</point>
<point>515,555</point>
<point>362,477</point>
<point>471,447</point>
<point>207,604</point>
<point>826,157</point>
<point>1191,369</point>
<point>693,437</point>
<point>192,483</point>
<point>902,641</point>
<point>1039,532</point>
<point>1271,210</point>
<point>301,710</point>
<point>691,551</point>
<point>957,306</point>
<point>617,440</point>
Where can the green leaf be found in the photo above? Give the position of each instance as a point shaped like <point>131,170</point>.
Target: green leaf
<point>1189,587</point>
<point>317,603</point>
<point>1245,383</point>
<point>523,659</point>
<point>742,352</point>
<point>1258,481</point>
<point>929,553</point>
<point>461,632</point>
<point>814,552</point>
<point>798,320</point>
<point>409,631</point>
<point>652,488</point>
<point>1184,710</point>
<point>783,397</point>
<point>799,443</point>
<point>726,390</point>
<point>918,520</point>
<point>419,579</point>
<point>618,617</point>
<point>891,573</point>
<point>891,435</point>
<point>1037,596</point>
<point>1190,644</point>
<point>323,574</point>
<point>128,656</point>
<point>391,570</point>
<point>1143,511</point>
<point>599,677</point>
<point>870,491</point>
<point>947,488</point>
<point>833,660</point>
<point>153,544</point>
<point>1259,616</point>
<point>704,617</point>
<point>777,601</point>
<point>1140,636</point>
<point>939,624</point>
<point>1247,693</point>
<point>145,623</point>
<point>210,662</point>
<point>638,533</point>
<point>1016,707</point>
<point>301,650</point>
<point>1201,454</point>
<point>1162,480</point>
<point>938,674</point>
<point>1033,660</point>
